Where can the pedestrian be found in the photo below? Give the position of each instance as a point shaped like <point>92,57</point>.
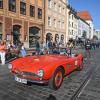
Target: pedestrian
<point>93,45</point>
<point>50,47</point>
<point>68,49</point>
<point>2,51</point>
<point>88,48</point>
<point>23,50</point>
<point>37,47</point>
<point>71,47</point>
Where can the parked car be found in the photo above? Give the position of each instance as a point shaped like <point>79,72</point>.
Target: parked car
<point>45,69</point>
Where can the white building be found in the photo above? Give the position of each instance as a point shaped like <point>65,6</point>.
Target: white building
<point>72,23</point>
<point>97,33</point>
<point>85,15</point>
<point>83,28</point>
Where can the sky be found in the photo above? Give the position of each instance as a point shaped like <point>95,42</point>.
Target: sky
<point>93,6</point>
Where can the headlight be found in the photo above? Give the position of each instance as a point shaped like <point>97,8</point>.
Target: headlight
<point>17,71</point>
<point>40,73</point>
<point>10,66</point>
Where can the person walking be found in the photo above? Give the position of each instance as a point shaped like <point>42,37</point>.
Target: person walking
<point>37,47</point>
<point>2,51</point>
<point>23,50</point>
<point>68,49</point>
<point>71,47</point>
<point>88,48</point>
<point>50,47</point>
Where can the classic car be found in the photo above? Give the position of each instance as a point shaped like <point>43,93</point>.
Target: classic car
<point>45,69</point>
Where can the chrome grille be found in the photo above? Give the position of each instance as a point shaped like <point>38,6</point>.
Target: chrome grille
<point>25,73</point>
<point>29,74</point>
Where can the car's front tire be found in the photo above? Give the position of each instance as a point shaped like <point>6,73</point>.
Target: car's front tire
<point>57,79</point>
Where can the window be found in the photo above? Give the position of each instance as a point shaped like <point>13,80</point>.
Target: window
<point>56,38</point>
<point>72,24</point>
<point>54,6</point>
<point>23,8</point>
<point>12,5</point>
<point>1,4</point>
<point>59,9</point>
<point>32,11</point>
<point>72,17</point>
<point>50,3</point>
<point>63,11</point>
<point>55,23</point>
<point>39,13</point>
<point>49,21</point>
<point>63,24</point>
<point>72,32</point>
<point>69,24</point>
<point>68,31</point>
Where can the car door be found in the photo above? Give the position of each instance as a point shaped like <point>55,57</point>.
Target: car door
<point>72,64</point>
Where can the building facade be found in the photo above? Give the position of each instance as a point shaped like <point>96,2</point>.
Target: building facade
<point>85,15</point>
<point>22,20</point>
<point>67,22</point>
<point>97,34</point>
<point>55,21</point>
<point>83,29</point>
<point>72,23</point>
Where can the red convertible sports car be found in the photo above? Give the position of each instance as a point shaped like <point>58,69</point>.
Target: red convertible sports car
<point>43,69</point>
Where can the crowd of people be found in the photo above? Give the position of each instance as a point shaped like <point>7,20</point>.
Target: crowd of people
<point>50,47</point>
<point>8,49</point>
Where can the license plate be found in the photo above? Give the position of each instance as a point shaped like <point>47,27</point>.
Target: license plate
<point>21,80</point>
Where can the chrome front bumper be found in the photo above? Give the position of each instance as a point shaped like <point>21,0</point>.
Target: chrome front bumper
<point>26,81</point>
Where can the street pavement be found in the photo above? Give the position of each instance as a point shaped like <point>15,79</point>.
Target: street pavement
<point>11,90</point>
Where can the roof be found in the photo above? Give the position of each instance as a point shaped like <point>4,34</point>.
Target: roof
<point>85,15</point>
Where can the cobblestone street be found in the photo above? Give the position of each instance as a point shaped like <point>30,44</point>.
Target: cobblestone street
<point>11,90</point>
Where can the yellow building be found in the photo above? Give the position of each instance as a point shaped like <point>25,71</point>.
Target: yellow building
<point>22,20</point>
<point>55,21</point>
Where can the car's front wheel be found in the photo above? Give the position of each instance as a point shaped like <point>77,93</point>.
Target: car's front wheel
<point>57,79</point>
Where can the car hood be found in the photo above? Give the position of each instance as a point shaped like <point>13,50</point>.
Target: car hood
<point>33,63</point>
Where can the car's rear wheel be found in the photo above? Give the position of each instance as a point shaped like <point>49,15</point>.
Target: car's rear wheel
<point>57,79</point>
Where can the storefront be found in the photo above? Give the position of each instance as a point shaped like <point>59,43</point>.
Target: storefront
<point>16,34</point>
<point>34,34</point>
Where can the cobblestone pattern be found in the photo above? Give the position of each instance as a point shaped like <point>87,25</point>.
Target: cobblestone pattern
<point>92,90</point>
<point>11,90</point>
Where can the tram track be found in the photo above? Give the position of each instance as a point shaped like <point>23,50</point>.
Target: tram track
<point>83,84</point>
